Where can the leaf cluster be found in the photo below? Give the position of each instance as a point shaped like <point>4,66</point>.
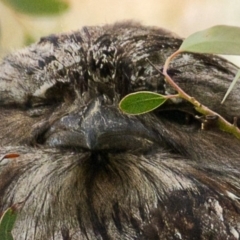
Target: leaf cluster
<point>215,40</point>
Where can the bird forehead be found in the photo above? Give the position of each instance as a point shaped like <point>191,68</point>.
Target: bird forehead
<point>115,58</point>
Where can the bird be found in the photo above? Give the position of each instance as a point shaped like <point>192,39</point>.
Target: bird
<point>80,168</point>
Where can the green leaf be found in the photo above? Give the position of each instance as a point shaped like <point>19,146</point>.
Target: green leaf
<point>217,40</point>
<point>236,78</point>
<point>7,222</point>
<point>141,102</point>
<point>38,7</point>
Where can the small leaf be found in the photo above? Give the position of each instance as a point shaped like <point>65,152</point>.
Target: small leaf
<point>231,85</point>
<point>141,102</point>
<point>7,221</point>
<point>38,7</point>
<point>219,39</point>
<point>11,155</point>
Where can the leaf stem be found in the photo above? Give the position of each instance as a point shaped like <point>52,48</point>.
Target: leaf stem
<point>222,123</point>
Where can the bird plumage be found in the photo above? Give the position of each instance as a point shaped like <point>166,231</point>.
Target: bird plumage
<point>86,170</point>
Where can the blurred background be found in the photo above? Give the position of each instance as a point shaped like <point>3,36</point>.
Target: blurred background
<point>24,21</point>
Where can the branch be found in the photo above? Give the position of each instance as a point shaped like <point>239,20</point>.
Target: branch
<point>222,123</point>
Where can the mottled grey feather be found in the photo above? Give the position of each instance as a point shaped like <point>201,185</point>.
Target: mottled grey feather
<point>86,170</point>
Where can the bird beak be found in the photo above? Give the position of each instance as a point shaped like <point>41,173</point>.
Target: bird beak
<point>101,127</point>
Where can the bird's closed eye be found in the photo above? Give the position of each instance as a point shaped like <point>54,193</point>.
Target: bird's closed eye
<point>53,97</point>
<point>60,92</point>
<point>57,94</point>
<point>178,117</point>
<point>36,106</point>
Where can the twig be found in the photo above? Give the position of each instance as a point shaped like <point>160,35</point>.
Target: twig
<point>222,123</point>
